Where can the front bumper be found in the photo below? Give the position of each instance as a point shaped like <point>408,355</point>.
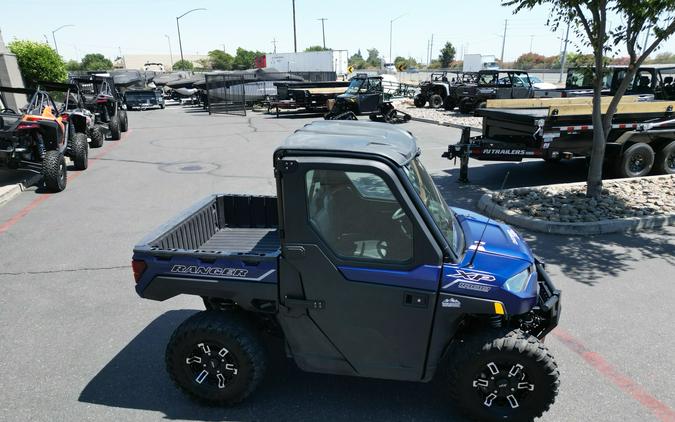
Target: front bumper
<point>548,301</point>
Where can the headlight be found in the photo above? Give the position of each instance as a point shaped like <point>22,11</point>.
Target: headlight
<point>518,282</point>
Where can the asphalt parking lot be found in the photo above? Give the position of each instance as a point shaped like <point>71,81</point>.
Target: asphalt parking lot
<point>79,344</point>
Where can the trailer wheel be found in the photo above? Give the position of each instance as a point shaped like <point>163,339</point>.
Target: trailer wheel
<point>216,358</point>
<point>636,161</point>
<point>466,106</point>
<point>54,171</point>
<point>665,160</point>
<point>435,101</point>
<point>498,376</point>
<point>419,101</point>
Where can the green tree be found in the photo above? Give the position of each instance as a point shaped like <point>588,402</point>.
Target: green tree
<point>589,20</point>
<point>447,54</point>
<point>244,59</point>
<point>407,63</point>
<point>316,48</point>
<point>183,65</point>
<point>373,59</point>
<point>530,61</point>
<point>357,61</point>
<point>38,62</point>
<point>96,61</point>
<point>220,60</point>
<point>73,65</point>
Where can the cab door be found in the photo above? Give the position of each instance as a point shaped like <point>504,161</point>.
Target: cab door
<point>370,96</point>
<point>360,275</point>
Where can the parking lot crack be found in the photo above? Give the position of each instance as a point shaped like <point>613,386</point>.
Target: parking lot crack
<point>67,270</point>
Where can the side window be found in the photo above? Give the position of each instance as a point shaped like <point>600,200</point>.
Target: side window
<point>358,217</point>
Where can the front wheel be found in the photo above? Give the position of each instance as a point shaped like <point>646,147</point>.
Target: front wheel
<point>503,378</point>
<point>114,126</point>
<point>97,137</point>
<point>466,106</point>
<point>216,358</point>
<point>124,121</point>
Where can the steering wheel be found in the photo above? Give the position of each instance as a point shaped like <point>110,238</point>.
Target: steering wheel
<point>8,111</point>
<point>398,216</point>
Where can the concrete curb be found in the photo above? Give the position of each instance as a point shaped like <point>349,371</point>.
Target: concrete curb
<point>8,192</point>
<point>436,122</point>
<point>634,224</point>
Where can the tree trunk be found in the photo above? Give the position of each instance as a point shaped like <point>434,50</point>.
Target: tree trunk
<point>594,181</point>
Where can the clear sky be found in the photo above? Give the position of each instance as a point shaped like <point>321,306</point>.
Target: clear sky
<point>139,26</point>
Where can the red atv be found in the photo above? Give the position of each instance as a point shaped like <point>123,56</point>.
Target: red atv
<point>38,139</point>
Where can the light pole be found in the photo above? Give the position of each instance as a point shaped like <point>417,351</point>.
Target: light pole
<point>54,36</point>
<point>295,38</point>
<point>168,39</point>
<point>323,31</point>
<point>391,31</point>
<point>180,43</point>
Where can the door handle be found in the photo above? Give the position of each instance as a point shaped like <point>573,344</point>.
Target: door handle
<point>415,300</point>
<point>294,251</point>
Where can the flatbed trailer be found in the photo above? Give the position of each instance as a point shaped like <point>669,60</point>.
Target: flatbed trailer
<point>641,140</point>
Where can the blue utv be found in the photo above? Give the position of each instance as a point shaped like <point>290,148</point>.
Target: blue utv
<point>362,269</point>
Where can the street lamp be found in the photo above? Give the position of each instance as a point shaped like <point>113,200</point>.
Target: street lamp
<point>168,39</point>
<point>391,26</point>
<point>180,44</point>
<point>54,36</point>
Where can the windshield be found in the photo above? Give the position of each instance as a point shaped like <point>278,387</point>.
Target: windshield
<point>438,208</point>
<point>354,86</point>
<point>535,80</point>
<point>582,78</point>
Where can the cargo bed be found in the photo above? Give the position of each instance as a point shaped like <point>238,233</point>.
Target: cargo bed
<point>220,225</point>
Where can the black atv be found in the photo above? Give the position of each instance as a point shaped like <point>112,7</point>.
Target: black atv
<point>37,138</point>
<point>82,121</point>
<point>102,98</point>
<point>439,89</point>
<point>365,95</point>
<point>493,84</point>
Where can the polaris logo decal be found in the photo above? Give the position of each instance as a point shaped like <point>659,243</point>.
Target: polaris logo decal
<point>213,271</point>
<point>474,287</point>
<point>451,302</point>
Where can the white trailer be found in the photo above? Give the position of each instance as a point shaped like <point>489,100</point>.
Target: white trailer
<point>309,61</point>
<point>477,62</point>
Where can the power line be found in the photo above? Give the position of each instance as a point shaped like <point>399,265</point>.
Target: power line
<point>274,42</point>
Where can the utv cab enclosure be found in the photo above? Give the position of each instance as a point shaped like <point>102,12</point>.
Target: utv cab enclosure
<point>362,269</point>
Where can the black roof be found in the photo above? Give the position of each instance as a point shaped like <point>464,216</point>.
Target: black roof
<point>362,137</point>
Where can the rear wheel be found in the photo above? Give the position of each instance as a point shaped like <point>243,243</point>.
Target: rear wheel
<point>503,377</point>
<point>636,161</point>
<point>449,103</point>
<point>216,358</point>
<point>54,171</point>
<point>435,101</point>
<point>665,160</point>
<point>114,126</point>
<point>96,137</point>
<point>80,151</point>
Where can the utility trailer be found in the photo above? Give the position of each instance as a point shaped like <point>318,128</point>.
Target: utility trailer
<point>641,140</point>
<point>310,96</point>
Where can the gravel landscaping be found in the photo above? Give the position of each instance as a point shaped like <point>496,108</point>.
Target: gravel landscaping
<point>440,115</point>
<point>624,198</point>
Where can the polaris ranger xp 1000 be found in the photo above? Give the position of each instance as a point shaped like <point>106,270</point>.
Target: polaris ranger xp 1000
<point>362,269</point>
